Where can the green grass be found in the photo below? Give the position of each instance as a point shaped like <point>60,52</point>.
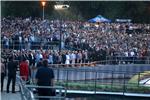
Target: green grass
<point>132,86</point>
<point>105,87</point>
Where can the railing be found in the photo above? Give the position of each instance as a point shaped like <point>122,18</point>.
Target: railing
<point>27,91</point>
<point>91,80</point>
<point>104,62</point>
<point>60,96</point>
<point>26,94</point>
<point>98,80</point>
<point>115,60</point>
<point>33,45</point>
<point>76,65</point>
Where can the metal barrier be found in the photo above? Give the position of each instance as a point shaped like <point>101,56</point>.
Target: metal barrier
<point>98,80</point>
<point>127,60</point>
<point>59,96</point>
<point>35,45</point>
<point>27,92</point>
<point>91,64</point>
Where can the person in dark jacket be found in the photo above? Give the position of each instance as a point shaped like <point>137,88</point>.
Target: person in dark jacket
<point>12,67</point>
<point>63,58</point>
<point>45,77</point>
<point>31,59</point>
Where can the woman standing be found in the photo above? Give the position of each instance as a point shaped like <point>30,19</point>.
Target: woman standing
<point>24,70</point>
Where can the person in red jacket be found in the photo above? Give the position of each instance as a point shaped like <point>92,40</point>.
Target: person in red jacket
<point>24,70</point>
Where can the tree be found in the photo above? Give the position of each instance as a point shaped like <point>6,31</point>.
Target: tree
<point>138,11</point>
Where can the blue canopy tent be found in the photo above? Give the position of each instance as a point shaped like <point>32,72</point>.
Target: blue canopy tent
<point>99,18</point>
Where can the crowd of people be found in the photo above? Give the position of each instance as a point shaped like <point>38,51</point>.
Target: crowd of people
<point>29,61</point>
<point>25,43</point>
<point>104,39</point>
<point>44,76</point>
<point>53,56</point>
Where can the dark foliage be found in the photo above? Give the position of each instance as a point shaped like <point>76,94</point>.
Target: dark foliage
<point>138,11</point>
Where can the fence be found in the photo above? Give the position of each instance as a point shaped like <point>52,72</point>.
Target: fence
<point>33,45</point>
<point>58,96</point>
<point>28,91</point>
<point>96,80</point>
<point>91,80</point>
<point>127,60</point>
<point>26,94</point>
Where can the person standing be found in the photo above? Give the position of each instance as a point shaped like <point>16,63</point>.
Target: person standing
<point>24,70</point>
<point>12,67</point>
<point>39,64</point>
<point>73,58</point>
<point>67,58</point>
<point>50,58</point>
<point>32,65</point>
<point>86,56</point>
<point>63,57</point>
<point>45,77</point>
<point>3,73</point>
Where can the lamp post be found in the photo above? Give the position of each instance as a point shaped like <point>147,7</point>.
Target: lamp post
<point>43,5</point>
<point>60,36</point>
<point>60,8</point>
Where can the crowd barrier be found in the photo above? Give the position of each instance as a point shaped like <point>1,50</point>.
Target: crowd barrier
<point>33,46</point>
<point>103,62</point>
<point>58,96</point>
<point>28,91</point>
<point>77,65</point>
<point>102,80</point>
<point>26,94</point>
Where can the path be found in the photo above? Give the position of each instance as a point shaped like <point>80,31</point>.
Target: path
<point>10,95</point>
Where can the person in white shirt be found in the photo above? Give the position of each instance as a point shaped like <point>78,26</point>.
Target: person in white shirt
<point>50,58</point>
<point>73,57</point>
<point>20,42</point>
<point>126,53</point>
<point>26,42</point>
<point>86,56</point>
<point>39,56</point>
<point>132,53</point>
<point>67,59</point>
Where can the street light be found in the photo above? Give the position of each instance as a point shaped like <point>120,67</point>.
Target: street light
<point>60,7</point>
<point>43,5</point>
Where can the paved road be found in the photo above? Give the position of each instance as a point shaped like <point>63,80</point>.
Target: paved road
<point>10,96</point>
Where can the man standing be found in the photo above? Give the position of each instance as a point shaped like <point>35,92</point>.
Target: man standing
<point>63,57</point>
<point>12,67</point>
<point>3,73</point>
<point>45,77</point>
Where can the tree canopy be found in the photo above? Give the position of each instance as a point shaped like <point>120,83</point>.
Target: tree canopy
<point>138,11</point>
